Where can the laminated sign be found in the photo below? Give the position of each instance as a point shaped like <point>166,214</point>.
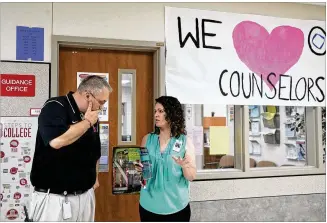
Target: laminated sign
<point>17,85</point>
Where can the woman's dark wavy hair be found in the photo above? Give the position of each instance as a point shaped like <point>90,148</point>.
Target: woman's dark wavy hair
<point>174,115</point>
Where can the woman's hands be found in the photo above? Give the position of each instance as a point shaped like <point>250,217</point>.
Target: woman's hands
<point>188,162</point>
<point>183,162</point>
<point>139,168</point>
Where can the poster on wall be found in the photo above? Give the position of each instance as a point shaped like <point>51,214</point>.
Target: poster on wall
<point>29,43</point>
<point>103,116</point>
<point>17,146</point>
<point>104,139</point>
<point>240,59</point>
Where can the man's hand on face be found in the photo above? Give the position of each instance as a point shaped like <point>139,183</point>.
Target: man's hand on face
<point>90,115</point>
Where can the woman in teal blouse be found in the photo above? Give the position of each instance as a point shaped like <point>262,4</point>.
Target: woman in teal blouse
<point>165,197</point>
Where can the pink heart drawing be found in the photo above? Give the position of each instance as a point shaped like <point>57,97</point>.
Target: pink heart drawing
<point>263,53</point>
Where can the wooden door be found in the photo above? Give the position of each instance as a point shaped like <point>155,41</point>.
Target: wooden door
<point>111,207</point>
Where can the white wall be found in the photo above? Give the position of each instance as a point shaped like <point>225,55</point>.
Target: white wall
<point>145,22</point>
<point>24,14</point>
<point>120,20</point>
<point>258,187</point>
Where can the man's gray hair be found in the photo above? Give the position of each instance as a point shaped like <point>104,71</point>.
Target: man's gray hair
<point>94,84</point>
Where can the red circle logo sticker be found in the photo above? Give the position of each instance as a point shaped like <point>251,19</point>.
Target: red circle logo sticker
<point>27,159</point>
<point>12,214</point>
<point>82,76</point>
<point>17,195</point>
<point>13,170</point>
<point>23,182</point>
<point>2,154</point>
<point>14,143</point>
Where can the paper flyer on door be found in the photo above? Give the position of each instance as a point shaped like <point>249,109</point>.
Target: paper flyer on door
<point>104,138</point>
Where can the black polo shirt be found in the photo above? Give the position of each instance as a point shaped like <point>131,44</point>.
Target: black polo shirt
<point>69,168</point>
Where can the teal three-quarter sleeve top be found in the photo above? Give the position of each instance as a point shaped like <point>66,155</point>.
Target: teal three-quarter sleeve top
<point>167,192</point>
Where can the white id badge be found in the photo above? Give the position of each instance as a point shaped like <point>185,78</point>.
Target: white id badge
<point>67,210</point>
<point>177,146</point>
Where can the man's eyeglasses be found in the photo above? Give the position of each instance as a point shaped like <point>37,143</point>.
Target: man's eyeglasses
<point>100,102</point>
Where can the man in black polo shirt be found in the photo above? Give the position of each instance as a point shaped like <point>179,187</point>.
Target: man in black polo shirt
<point>65,164</point>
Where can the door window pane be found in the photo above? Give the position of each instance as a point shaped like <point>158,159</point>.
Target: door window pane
<point>127,106</point>
<point>126,119</point>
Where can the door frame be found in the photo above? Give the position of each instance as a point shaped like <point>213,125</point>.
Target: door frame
<point>157,48</point>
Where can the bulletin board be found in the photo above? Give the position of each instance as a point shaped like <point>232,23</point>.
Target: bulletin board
<point>20,106</point>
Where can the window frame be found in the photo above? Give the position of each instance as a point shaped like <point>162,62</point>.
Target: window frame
<point>133,106</point>
<point>315,165</point>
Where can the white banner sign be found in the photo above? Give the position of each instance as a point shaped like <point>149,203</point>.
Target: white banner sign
<point>103,116</point>
<point>18,136</point>
<point>225,58</point>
